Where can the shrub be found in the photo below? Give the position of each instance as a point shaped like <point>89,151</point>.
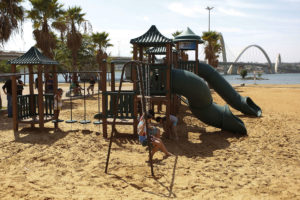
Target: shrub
<point>243,73</point>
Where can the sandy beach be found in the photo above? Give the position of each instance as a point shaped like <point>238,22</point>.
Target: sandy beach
<point>207,163</point>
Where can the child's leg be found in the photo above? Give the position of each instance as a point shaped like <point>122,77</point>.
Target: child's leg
<point>161,146</point>
<point>154,149</point>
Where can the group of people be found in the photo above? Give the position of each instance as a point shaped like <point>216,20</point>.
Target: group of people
<point>76,88</point>
<point>154,132</point>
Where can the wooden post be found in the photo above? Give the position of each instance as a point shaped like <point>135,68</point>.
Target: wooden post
<point>14,99</point>
<point>134,52</point>
<point>55,87</point>
<point>31,91</point>
<point>196,58</point>
<point>135,100</point>
<point>168,85</point>
<point>141,56</point>
<point>40,97</point>
<point>113,82</point>
<point>103,86</point>
<point>55,81</point>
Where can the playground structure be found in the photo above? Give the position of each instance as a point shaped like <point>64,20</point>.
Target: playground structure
<point>39,108</point>
<point>152,83</point>
<point>33,108</point>
<point>163,83</point>
<point>176,76</point>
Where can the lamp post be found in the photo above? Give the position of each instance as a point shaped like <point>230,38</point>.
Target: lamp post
<point>209,8</point>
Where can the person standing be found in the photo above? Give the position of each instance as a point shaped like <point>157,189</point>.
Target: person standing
<point>91,86</point>
<point>50,85</point>
<point>20,86</point>
<point>7,89</point>
<point>36,83</point>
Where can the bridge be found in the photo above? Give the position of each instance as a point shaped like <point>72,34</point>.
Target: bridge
<point>232,67</point>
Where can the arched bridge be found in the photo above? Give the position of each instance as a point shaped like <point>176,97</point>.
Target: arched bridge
<point>231,70</point>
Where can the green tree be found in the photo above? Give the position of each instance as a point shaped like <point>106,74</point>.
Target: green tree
<point>11,18</point>
<point>86,54</point>
<point>243,73</point>
<point>75,20</point>
<point>101,42</point>
<point>212,47</point>
<point>41,14</point>
<point>63,55</point>
<point>60,24</point>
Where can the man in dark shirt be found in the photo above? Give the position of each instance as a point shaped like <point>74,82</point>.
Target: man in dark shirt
<point>8,91</point>
<point>20,86</point>
<point>49,84</point>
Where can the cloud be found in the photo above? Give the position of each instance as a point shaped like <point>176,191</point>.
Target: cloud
<point>243,4</point>
<point>232,12</point>
<point>291,1</point>
<point>192,11</point>
<point>146,18</point>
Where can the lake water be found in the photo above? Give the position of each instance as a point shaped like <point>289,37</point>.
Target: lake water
<point>293,78</point>
<point>285,79</point>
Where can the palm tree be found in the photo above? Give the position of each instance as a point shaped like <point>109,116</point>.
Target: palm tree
<point>75,20</point>
<point>60,24</point>
<point>212,47</point>
<point>176,33</point>
<point>101,42</point>
<point>11,16</point>
<point>43,12</point>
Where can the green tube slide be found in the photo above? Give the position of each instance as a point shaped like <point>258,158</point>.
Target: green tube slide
<point>227,92</point>
<point>201,104</point>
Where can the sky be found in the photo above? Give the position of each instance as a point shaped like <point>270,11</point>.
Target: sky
<point>273,25</point>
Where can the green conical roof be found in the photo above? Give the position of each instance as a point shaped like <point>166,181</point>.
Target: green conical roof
<point>151,38</point>
<point>188,35</point>
<point>33,57</point>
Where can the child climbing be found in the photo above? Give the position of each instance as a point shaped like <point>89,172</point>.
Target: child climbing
<point>154,134</point>
<point>172,125</point>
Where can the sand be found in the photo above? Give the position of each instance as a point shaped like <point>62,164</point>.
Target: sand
<point>208,163</point>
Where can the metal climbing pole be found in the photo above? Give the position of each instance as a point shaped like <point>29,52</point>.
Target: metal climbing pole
<point>140,81</point>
